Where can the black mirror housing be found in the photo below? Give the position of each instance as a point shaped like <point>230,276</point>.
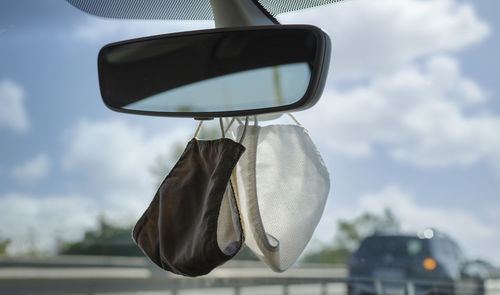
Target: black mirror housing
<point>223,72</point>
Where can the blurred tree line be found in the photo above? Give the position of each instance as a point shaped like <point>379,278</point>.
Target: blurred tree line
<point>115,240</point>
<point>4,243</point>
<point>107,239</point>
<point>349,234</point>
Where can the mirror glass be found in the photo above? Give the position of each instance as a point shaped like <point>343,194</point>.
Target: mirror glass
<point>211,71</point>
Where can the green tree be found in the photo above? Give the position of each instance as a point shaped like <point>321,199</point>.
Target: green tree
<point>4,243</point>
<point>349,235</point>
<point>108,239</point>
<point>351,232</point>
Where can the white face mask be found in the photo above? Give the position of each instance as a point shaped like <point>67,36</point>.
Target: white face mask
<point>282,185</point>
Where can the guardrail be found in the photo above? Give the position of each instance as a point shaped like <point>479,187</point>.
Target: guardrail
<point>97,275</point>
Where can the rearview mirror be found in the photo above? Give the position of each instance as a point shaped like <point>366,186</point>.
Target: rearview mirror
<point>217,72</point>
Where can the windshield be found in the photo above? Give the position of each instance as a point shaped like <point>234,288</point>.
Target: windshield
<point>408,126</point>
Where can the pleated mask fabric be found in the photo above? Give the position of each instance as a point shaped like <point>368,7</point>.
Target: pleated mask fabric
<point>192,224</point>
<point>283,185</point>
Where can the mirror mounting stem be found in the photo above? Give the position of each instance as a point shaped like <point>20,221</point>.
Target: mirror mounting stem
<point>239,13</point>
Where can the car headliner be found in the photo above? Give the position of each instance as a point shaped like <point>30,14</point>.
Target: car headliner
<point>179,10</point>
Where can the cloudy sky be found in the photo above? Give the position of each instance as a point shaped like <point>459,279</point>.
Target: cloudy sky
<point>409,119</point>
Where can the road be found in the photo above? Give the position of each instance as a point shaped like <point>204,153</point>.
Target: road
<point>134,276</point>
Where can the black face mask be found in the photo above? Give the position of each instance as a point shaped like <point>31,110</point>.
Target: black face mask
<point>192,225</point>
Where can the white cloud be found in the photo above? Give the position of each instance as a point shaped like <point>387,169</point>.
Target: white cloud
<point>457,222</point>
<point>419,113</point>
<point>99,30</point>
<point>37,221</point>
<point>116,158</point>
<point>12,112</point>
<point>371,37</point>
<point>474,234</point>
<point>33,170</point>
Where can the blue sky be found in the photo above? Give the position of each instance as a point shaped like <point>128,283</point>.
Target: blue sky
<point>410,119</point>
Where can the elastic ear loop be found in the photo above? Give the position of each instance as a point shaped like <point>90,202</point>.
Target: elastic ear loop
<point>222,127</point>
<point>198,129</point>
<point>228,128</point>
<point>258,228</point>
<point>233,174</point>
<point>267,245</point>
<point>244,130</point>
<point>256,122</point>
<point>294,119</point>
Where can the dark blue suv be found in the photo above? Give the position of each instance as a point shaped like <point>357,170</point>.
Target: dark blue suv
<point>429,263</point>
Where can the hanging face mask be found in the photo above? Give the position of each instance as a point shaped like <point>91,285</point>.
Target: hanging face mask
<point>192,225</point>
<point>283,185</point>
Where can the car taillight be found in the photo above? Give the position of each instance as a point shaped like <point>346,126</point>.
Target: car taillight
<point>429,264</point>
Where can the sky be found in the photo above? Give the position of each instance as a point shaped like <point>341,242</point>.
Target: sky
<point>409,120</point>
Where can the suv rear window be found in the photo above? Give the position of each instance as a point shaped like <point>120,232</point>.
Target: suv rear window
<point>392,247</point>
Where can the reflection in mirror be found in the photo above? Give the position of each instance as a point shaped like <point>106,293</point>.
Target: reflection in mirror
<point>260,88</point>
<point>213,71</point>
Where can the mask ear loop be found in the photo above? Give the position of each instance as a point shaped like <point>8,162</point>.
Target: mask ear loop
<point>234,181</point>
<point>198,129</point>
<point>244,130</point>
<point>228,128</point>
<point>222,127</point>
<point>294,119</point>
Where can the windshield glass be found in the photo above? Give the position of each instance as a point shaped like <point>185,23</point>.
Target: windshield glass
<point>408,126</point>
